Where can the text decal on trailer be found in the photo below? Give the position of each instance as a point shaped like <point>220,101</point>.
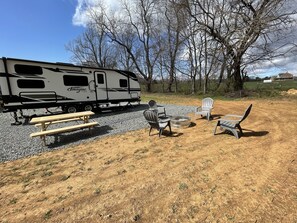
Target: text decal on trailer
<point>77,89</point>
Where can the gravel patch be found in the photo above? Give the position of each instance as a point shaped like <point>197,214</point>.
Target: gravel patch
<point>15,142</point>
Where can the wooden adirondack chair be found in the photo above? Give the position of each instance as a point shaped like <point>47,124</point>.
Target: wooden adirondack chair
<point>156,122</point>
<point>205,108</point>
<point>232,122</point>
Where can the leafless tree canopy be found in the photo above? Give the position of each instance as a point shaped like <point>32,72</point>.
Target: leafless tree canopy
<point>188,39</point>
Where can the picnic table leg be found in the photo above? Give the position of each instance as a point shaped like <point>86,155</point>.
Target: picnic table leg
<point>43,128</point>
<point>86,119</point>
<point>43,139</point>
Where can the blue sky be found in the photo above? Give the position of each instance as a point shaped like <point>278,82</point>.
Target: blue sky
<point>37,29</point>
<point>40,29</point>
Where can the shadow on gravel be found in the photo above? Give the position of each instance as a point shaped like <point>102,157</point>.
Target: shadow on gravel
<point>73,137</point>
<point>192,124</point>
<point>106,112</point>
<point>120,110</point>
<point>98,113</point>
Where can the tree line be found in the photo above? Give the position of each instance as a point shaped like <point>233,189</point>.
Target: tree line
<point>196,40</point>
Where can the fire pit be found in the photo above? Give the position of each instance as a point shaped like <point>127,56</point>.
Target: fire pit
<point>180,121</point>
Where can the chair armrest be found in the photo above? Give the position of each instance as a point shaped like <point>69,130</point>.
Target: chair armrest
<point>199,108</point>
<point>229,120</point>
<point>229,115</point>
<point>207,108</point>
<point>164,119</point>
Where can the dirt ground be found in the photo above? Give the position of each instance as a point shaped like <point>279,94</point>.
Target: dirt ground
<point>189,176</point>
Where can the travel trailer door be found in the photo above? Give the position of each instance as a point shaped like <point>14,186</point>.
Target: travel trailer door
<point>101,86</point>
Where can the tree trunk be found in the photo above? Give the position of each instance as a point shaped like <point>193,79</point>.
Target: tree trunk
<point>237,79</point>
<point>193,84</point>
<point>223,68</point>
<point>149,86</point>
<point>170,82</point>
<point>171,78</point>
<point>205,83</point>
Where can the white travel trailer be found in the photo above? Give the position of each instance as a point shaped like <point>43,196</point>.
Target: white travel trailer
<point>26,84</point>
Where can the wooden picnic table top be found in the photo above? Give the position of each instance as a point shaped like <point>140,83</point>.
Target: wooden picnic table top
<point>51,118</point>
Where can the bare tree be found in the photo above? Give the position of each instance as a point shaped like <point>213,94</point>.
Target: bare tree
<point>194,59</point>
<point>237,25</point>
<point>134,30</point>
<point>193,38</point>
<point>173,22</point>
<point>93,48</point>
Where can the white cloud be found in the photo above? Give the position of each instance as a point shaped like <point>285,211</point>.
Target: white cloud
<point>81,18</point>
<point>274,67</point>
<point>83,8</point>
<point>281,64</point>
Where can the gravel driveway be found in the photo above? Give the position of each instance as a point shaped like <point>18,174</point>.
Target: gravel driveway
<point>15,142</point>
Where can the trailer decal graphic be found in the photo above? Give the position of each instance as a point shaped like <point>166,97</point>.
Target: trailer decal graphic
<point>77,89</point>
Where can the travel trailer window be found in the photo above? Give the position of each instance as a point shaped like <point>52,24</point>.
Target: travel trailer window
<point>100,78</point>
<point>71,80</point>
<point>27,69</point>
<point>30,83</point>
<point>123,83</point>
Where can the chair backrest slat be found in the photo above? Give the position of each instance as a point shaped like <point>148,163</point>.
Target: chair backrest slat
<point>246,113</point>
<point>151,116</point>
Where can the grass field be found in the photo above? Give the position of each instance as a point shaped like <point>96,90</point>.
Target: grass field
<point>189,176</point>
<point>270,89</point>
<point>256,89</point>
<point>275,85</point>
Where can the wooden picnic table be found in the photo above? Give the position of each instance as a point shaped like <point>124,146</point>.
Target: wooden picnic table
<point>45,121</point>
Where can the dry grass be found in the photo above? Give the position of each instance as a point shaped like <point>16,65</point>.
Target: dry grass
<point>190,176</point>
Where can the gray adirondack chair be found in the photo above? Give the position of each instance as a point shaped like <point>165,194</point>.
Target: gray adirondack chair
<point>205,108</point>
<point>159,123</point>
<point>232,122</point>
<point>153,106</point>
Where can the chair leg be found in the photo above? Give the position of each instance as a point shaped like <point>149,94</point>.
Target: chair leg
<point>209,117</point>
<point>169,124</point>
<point>235,133</point>
<point>240,129</point>
<point>160,132</point>
<point>218,124</point>
<point>150,131</point>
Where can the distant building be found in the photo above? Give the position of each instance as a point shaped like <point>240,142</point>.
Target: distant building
<point>267,81</point>
<point>285,76</point>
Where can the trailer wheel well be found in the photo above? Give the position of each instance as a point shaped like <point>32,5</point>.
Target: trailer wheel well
<point>87,107</point>
<point>70,108</point>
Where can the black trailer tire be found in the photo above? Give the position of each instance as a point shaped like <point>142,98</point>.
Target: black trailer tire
<point>71,109</point>
<point>88,107</point>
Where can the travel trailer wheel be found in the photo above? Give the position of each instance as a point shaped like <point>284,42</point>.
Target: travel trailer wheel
<point>71,109</point>
<point>88,107</point>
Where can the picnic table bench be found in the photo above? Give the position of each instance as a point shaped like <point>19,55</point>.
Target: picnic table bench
<point>45,121</point>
